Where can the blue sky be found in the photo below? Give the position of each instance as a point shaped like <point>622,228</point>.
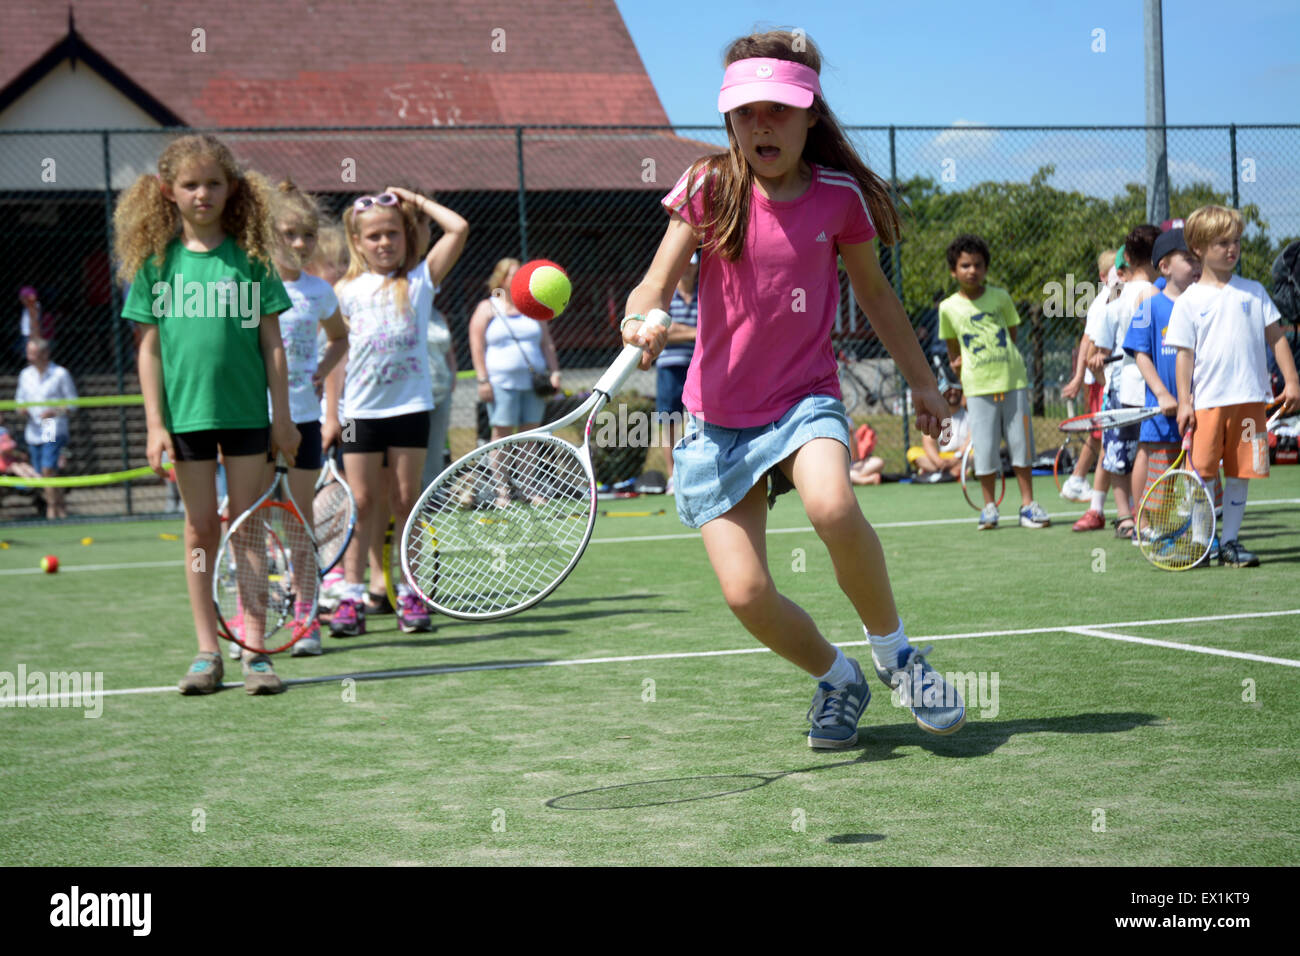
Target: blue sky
<point>1017,62</point>
<point>1002,62</point>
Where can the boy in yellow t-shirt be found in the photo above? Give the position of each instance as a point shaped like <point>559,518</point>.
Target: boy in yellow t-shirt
<point>978,324</point>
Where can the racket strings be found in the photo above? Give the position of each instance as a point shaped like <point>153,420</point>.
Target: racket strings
<point>1177,522</point>
<point>502,528</point>
<point>267,581</point>
<point>330,510</point>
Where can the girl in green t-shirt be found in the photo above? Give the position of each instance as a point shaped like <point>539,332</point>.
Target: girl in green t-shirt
<point>201,224</point>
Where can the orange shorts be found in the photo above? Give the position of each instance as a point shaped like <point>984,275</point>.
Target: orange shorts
<point>1235,433</point>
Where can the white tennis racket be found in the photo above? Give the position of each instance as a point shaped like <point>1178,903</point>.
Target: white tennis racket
<point>334,511</point>
<point>471,555</point>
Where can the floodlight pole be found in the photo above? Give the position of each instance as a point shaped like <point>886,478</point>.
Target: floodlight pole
<point>1157,151</point>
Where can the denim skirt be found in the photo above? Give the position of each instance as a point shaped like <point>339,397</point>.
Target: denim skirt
<point>715,467</point>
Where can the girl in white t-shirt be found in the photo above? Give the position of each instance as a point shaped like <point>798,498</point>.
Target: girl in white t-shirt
<point>295,218</point>
<point>388,392</point>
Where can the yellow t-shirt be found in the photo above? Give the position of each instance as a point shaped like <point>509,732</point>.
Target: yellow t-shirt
<point>990,361</point>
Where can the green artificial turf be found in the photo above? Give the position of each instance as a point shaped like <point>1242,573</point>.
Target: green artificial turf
<point>1098,751</point>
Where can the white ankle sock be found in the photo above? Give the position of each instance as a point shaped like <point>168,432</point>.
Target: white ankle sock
<point>841,671</point>
<point>885,649</point>
<point>1234,506</point>
<point>1099,501</point>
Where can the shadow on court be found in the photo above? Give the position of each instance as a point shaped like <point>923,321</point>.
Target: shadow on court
<point>399,672</point>
<point>976,739</point>
<point>334,645</point>
<point>658,793</point>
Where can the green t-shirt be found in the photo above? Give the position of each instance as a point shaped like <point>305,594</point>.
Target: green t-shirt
<point>990,361</point>
<point>207,306</point>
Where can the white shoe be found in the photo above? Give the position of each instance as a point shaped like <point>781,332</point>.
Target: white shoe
<point>1076,489</point>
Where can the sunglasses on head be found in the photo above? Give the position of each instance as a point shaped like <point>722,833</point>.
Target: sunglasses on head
<point>383,199</point>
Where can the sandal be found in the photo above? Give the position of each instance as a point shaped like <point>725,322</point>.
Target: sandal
<point>1125,528</point>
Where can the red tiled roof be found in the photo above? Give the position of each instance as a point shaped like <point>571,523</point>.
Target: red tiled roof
<point>326,62</point>
<point>470,159</point>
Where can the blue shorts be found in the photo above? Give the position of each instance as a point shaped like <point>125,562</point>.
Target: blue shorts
<point>515,406</point>
<point>45,456</point>
<point>1119,445</point>
<point>669,382</point>
<point>715,467</point>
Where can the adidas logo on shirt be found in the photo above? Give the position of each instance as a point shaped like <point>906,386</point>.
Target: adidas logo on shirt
<point>821,237</point>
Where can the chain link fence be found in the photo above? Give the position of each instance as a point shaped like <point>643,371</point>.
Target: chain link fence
<point>1047,201</point>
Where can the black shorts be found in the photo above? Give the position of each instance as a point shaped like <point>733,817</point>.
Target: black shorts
<point>202,445</point>
<point>309,451</point>
<point>381,434</point>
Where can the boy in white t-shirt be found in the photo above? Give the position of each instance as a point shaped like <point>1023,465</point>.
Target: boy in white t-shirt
<point>1222,327</point>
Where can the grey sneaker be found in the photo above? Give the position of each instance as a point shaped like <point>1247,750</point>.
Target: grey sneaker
<point>989,517</point>
<point>835,712</point>
<point>204,675</point>
<point>259,678</point>
<point>1033,516</point>
<point>308,645</point>
<point>936,705</point>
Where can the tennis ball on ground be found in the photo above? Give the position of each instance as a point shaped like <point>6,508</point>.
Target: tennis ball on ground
<point>87,541</point>
<point>169,537</point>
<point>540,289</point>
<point>49,564</point>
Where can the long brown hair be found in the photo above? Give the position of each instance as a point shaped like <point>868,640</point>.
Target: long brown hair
<point>145,221</point>
<point>729,180</point>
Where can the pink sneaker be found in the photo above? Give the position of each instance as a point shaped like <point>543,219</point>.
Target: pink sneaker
<point>412,615</point>
<point>349,619</point>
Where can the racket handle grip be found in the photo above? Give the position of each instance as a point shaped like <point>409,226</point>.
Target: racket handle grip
<point>627,360</point>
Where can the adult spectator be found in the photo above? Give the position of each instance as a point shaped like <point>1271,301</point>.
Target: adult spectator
<point>509,353</point>
<point>47,427</point>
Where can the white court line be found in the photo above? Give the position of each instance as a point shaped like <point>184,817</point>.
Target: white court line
<point>1217,652</point>
<point>682,655</point>
<point>681,536</point>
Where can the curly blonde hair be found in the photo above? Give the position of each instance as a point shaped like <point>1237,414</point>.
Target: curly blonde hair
<point>145,221</point>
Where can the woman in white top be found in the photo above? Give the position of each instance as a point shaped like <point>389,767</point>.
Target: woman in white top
<point>506,354</point>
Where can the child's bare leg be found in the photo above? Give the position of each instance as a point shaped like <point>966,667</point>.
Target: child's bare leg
<point>737,548</point>
<point>197,483</point>
<point>855,551</point>
<point>987,483</point>
<point>1025,479</point>
<point>363,475</point>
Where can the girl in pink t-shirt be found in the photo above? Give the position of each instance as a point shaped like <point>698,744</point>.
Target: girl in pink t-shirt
<point>773,213</point>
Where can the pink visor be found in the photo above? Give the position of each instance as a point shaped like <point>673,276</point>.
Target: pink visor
<point>761,78</point>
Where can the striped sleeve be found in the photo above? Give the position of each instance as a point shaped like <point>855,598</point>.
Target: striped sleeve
<point>689,204</point>
<point>857,225</point>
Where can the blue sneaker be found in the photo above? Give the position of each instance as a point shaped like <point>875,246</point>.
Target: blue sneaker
<point>835,713</point>
<point>988,517</point>
<point>1033,516</point>
<point>936,705</point>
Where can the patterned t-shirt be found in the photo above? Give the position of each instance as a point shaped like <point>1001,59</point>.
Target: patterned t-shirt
<point>388,352</point>
<point>313,302</point>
